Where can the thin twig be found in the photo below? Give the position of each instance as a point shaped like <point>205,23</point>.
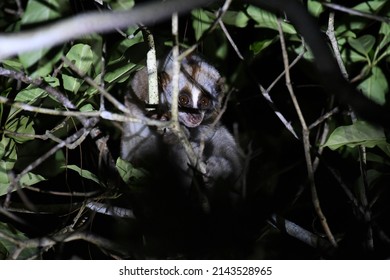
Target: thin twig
<point>38,82</point>
<point>299,233</point>
<point>335,46</point>
<point>350,11</point>
<point>306,142</point>
<point>324,117</point>
<point>295,61</point>
<point>71,139</point>
<point>92,83</point>
<point>48,242</point>
<point>57,95</point>
<point>194,160</point>
<point>362,192</point>
<point>212,27</point>
<point>19,12</point>
<point>362,152</point>
<point>151,65</point>
<point>230,39</point>
<point>281,117</point>
<point>102,84</point>
<point>266,95</point>
<point>96,114</point>
<point>175,125</point>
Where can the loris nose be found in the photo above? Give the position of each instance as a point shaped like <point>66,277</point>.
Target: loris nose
<point>189,110</point>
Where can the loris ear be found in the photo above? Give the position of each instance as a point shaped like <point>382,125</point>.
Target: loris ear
<point>139,84</point>
<point>163,80</point>
<point>220,89</point>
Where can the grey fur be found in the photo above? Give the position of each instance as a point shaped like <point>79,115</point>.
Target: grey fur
<point>146,146</point>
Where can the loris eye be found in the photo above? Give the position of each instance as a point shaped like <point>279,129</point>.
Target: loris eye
<point>184,99</point>
<point>204,102</point>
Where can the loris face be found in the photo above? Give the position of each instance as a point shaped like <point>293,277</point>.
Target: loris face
<point>200,90</point>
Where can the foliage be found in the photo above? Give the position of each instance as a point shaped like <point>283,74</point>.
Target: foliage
<point>351,152</point>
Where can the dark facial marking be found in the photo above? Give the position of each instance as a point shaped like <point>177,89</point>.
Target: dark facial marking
<point>185,98</point>
<point>204,102</point>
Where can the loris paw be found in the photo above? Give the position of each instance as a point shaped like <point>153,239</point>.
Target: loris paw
<point>169,137</point>
<point>166,116</point>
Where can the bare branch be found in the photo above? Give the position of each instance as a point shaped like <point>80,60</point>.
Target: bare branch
<point>362,190</point>
<point>91,82</point>
<point>221,12</point>
<point>330,74</point>
<point>277,112</point>
<point>324,117</point>
<point>88,23</point>
<point>350,11</point>
<point>230,39</point>
<point>151,64</point>
<point>102,114</point>
<point>306,142</point>
<point>19,76</point>
<point>335,45</point>
<point>299,233</point>
<point>48,242</point>
<point>295,61</point>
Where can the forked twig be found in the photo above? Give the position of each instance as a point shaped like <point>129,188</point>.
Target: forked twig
<point>306,142</point>
<point>362,150</point>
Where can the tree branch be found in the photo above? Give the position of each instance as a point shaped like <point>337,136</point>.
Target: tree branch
<point>88,23</point>
<point>306,142</point>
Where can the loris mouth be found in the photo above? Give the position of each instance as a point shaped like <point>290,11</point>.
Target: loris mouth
<point>191,119</point>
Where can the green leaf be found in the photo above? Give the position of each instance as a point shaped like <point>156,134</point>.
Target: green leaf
<point>375,86</point>
<point>353,56</point>
<point>385,31</point>
<point>315,8</point>
<point>22,125</point>
<point>46,65</point>
<point>83,173</point>
<point>30,179</point>
<point>119,68</point>
<point>363,44</point>
<point>8,157</point>
<point>81,56</point>
<point>87,108</point>
<point>118,74</point>
<point>308,54</point>
<point>28,96</point>
<point>4,180</point>
<point>128,172</point>
<point>201,22</point>
<point>52,81</point>
<point>258,46</point>
<point>30,58</point>
<point>238,19</point>
<point>27,179</point>
<point>385,147</point>
<point>71,84</point>
<point>40,11</point>
<point>370,7</point>
<point>359,133</point>
<point>12,64</point>
<point>265,19</point>
<point>122,4</point>
<point>372,177</point>
<point>7,247</point>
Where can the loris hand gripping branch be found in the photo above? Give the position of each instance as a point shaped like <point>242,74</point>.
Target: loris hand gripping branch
<point>199,102</point>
